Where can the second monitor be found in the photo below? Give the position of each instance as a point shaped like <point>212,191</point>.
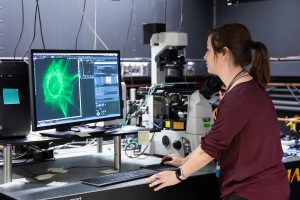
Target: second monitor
<point>71,87</point>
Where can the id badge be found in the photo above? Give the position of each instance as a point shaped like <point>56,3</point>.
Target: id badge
<point>218,170</point>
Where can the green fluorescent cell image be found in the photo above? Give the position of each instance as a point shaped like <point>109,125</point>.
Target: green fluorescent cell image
<point>58,86</point>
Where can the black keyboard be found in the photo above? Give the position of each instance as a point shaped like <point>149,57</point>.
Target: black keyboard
<point>110,179</point>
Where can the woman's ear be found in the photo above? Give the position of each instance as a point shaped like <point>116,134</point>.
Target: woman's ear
<point>226,54</point>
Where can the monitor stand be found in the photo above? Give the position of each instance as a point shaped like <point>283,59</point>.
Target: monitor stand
<point>100,128</point>
<point>64,129</point>
<point>97,128</point>
<point>74,132</point>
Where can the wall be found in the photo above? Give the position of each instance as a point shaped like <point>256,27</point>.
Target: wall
<point>274,22</point>
<point>61,20</point>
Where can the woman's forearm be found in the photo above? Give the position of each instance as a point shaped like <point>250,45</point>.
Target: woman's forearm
<point>195,161</point>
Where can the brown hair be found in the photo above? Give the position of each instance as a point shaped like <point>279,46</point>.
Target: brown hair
<point>237,38</point>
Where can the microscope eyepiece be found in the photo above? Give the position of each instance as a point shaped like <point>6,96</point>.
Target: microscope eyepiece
<point>211,86</point>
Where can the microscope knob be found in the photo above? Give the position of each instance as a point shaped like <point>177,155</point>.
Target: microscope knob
<point>177,145</point>
<point>165,140</point>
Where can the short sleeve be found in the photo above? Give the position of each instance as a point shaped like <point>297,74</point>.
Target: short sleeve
<point>232,117</point>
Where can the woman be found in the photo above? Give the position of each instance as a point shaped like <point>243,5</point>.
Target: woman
<point>245,136</point>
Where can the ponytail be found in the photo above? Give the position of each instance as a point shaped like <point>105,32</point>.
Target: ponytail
<point>237,38</point>
<point>260,69</point>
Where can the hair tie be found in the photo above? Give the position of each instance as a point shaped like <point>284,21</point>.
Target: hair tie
<point>253,44</point>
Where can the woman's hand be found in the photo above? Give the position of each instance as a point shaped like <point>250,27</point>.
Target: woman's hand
<point>173,159</point>
<point>162,179</point>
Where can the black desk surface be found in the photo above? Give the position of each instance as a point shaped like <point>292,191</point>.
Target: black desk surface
<point>201,186</point>
<point>74,189</point>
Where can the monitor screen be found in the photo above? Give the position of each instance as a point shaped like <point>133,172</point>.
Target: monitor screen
<point>74,87</point>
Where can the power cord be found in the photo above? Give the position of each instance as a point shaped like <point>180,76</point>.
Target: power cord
<point>95,24</point>
<point>166,3</point>
<point>91,28</point>
<point>22,29</point>
<point>129,27</point>
<point>40,22</point>
<point>36,15</point>
<point>34,31</point>
<point>80,26</point>
<point>181,16</point>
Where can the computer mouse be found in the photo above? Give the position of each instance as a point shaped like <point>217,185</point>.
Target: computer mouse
<point>164,160</point>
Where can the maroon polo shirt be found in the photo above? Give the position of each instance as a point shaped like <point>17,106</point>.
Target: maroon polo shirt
<point>245,140</point>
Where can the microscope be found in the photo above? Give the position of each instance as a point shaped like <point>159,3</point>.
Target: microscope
<point>198,119</point>
<point>198,123</point>
<point>164,58</point>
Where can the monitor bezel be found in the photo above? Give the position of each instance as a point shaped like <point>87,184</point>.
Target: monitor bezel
<point>32,87</point>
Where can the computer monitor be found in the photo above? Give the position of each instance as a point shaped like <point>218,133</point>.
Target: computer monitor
<point>74,87</point>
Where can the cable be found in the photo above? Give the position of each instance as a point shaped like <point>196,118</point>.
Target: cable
<point>34,30</point>
<point>136,144</point>
<point>128,115</point>
<point>95,25</point>
<point>166,3</point>
<point>37,12</point>
<point>132,148</point>
<point>40,21</point>
<point>135,147</point>
<point>127,35</point>
<point>20,156</point>
<point>81,20</point>
<point>91,28</point>
<point>128,30</point>
<point>22,29</point>
<point>181,16</point>
<point>142,105</point>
